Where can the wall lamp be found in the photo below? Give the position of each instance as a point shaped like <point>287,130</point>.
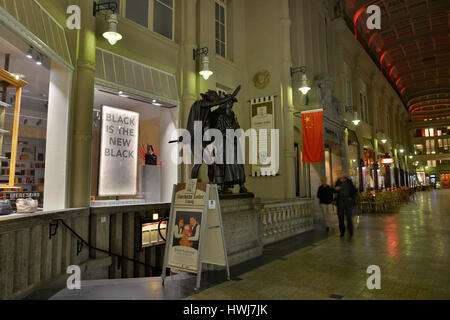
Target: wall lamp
<point>205,72</point>
<point>304,88</point>
<point>356,120</point>
<point>111,35</point>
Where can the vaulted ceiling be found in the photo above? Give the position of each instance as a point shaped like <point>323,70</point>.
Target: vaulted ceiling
<point>412,49</point>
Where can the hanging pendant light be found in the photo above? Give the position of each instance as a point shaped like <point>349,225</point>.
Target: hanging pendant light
<point>112,35</point>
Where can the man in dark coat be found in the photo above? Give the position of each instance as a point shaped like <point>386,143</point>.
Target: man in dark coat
<point>346,195</point>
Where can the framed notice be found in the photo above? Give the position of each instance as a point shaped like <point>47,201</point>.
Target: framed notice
<point>184,251</point>
<point>262,117</point>
<point>118,152</point>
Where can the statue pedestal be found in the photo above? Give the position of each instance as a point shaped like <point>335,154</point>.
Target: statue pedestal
<point>229,196</point>
<point>241,229</point>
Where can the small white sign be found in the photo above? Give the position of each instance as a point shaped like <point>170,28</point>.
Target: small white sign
<point>212,204</point>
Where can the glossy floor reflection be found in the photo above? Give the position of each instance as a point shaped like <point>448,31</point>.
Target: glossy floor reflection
<point>411,247</point>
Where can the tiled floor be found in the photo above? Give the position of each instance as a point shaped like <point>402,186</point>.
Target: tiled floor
<point>411,247</point>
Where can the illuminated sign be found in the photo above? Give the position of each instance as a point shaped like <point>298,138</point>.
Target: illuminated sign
<point>118,152</point>
<point>387,160</point>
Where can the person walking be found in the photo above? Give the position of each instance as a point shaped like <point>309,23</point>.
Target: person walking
<point>325,195</point>
<point>346,193</point>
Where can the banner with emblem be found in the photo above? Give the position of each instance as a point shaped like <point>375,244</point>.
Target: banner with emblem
<point>312,127</point>
<point>262,118</point>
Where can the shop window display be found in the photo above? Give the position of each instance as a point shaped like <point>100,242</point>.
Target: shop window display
<point>23,141</point>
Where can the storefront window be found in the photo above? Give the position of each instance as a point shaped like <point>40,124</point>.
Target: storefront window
<point>131,157</point>
<point>42,127</point>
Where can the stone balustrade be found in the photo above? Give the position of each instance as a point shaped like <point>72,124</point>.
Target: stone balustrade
<point>282,220</point>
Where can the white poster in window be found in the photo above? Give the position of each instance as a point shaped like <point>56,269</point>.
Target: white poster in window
<point>118,152</point>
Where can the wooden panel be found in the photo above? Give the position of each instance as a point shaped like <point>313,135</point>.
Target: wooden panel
<point>21,255</point>
<point>34,274</point>
<point>46,254</point>
<point>7,248</point>
<point>57,252</point>
<point>116,244</point>
<point>66,245</point>
<point>128,244</point>
<point>139,255</point>
<point>11,8</point>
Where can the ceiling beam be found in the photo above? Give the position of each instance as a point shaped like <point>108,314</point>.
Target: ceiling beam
<point>394,44</point>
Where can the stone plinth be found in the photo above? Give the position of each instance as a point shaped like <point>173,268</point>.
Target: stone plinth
<point>242,229</point>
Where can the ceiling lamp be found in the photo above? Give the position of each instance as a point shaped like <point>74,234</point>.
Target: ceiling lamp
<point>112,35</point>
<point>410,156</point>
<point>356,121</point>
<point>29,54</point>
<point>304,88</point>
<point>39,60</point>
<point>383,140</point>
<point>205,72</point>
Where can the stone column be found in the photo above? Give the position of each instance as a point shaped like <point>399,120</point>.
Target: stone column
<point>82,111</point>
<point>189,94</point>
<point>345,159</point>
<point>287,102</point>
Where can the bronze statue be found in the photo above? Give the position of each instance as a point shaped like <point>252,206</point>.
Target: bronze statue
<point>201,111</point>
<point>227,175</point>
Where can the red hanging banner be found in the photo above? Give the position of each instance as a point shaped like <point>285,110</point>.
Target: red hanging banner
<point>312,124</point>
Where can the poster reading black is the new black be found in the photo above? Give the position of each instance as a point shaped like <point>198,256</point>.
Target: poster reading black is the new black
<point>118,152</point>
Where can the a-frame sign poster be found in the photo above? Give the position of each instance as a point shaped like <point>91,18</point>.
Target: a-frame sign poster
<point>195,231</point>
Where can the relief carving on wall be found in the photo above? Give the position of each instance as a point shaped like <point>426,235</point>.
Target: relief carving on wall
<point>261,79</point>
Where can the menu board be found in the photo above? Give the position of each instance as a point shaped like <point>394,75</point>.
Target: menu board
<point>118,152</point>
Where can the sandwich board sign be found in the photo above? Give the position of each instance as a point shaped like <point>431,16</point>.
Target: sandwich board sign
<point>195,231</point>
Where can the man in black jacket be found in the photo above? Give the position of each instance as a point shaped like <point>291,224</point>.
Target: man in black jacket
<point>346,194</point>
<point>325,195</point>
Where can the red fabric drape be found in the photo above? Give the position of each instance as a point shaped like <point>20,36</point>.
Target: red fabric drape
<point>312,125</point>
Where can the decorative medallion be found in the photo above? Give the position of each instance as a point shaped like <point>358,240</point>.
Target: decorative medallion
<point>261,79</point>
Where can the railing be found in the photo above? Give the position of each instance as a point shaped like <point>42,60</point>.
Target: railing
<point>118,229</point>
<point>34,251</point>
<point>286,219</point>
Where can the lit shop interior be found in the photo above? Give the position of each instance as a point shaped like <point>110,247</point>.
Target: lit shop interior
<point>131,154</point>
<point>29,150</point>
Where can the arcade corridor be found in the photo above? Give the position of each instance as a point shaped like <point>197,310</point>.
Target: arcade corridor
<point>412,249</point>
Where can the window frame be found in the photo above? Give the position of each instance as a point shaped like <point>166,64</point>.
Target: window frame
<point>151,10</point>
<point>221,3</point>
